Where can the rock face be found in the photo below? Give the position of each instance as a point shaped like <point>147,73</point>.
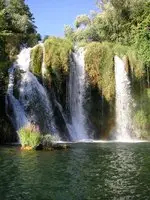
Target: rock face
<point>7,130</point>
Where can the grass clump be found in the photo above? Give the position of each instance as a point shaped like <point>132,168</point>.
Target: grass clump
<point>29,136</point>
<point>36,59</point>
<point>99,66</point>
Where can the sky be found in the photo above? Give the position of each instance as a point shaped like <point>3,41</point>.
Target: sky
<point>51,15</point>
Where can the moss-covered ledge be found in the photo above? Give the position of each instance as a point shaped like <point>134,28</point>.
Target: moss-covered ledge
<point>36,60</point>
<point>100,68</point>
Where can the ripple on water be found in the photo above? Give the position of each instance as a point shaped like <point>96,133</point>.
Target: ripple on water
<point>86,171</point>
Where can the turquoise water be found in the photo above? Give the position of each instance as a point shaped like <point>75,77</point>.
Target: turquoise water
<point>84,172</point>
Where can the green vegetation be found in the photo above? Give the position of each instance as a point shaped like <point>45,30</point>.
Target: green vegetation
<point>36,59</point>
<point>82,20</point>
<point>121,26</point>
<point>142,111</point>
<point>16,28</point>
<point>99,66</point>
<point>29,136</point>
<point>141,119</point>
<point>124,22</point>
<point>57,53</point>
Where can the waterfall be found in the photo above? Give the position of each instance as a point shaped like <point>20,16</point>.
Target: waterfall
<point>33,100</point>
<point>68,126</point>
<point>123,102</point>
<point>17,116</point>
<point>76,96</point>
<point>43,70</point>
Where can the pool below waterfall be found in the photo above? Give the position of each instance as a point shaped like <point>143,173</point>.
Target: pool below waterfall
<point>85,172</point>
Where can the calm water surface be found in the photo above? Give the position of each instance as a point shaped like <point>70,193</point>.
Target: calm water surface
<point>85,172</point>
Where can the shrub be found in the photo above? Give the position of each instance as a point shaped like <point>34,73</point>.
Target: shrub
<point>29,136</point>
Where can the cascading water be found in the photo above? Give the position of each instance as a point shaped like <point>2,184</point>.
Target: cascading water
<point>123,102</point>
<point>17,116</point>
<point>43,70</point>
<point>76,96</point>
<point>68,126</point>
<point>32,96</point>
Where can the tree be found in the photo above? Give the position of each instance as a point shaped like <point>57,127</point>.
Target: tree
<point>82,20</point>
<point>69,32</point>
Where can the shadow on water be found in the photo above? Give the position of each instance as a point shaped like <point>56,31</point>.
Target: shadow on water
<point>86,171</point>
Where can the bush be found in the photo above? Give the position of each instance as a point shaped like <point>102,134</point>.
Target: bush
<point>29,136</point>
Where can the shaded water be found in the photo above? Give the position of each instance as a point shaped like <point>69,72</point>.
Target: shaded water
<point>86,171</point>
